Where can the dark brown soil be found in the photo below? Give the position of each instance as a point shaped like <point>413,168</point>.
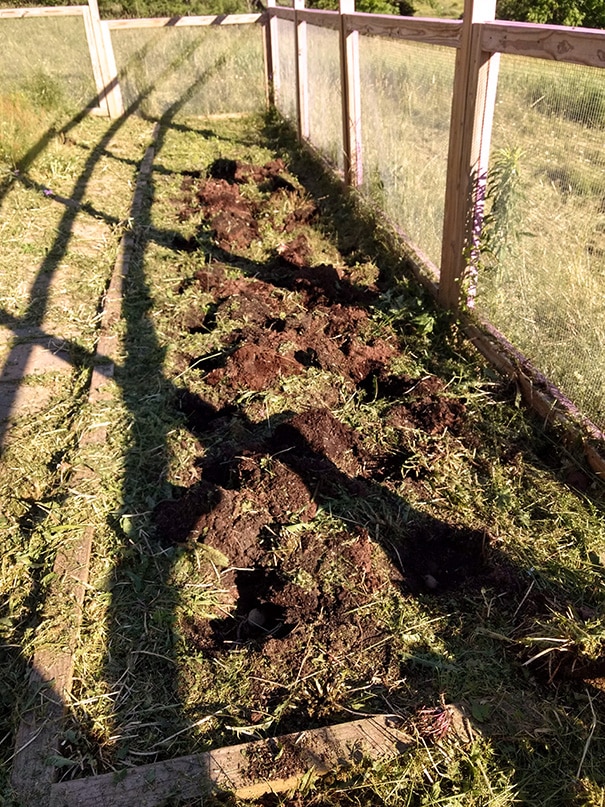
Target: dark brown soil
<point>259,483</point>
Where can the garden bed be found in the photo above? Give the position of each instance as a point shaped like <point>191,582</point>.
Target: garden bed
<point>317,503</point>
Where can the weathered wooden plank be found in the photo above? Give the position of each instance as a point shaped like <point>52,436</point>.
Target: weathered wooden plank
<point>51,11</point>
<point>470,132</point>
<point>52,669</point>
<point>248,770</point>
<point>538,393</point>
<point>185,22</point>
<point>283,13</point>
<point>350,83</point>
<point>416,29</point>
<point>577,45</point>
<point>302,74</point>
<point>596,458</point>
<point>323,19</point>
<point>271,54</point>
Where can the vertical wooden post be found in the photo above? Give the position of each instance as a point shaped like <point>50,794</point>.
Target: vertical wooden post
<point>302,76</point>
<point>271,54</point>
<point>96,62</point>
<point>473,101</point>
<point>103,60</point>
<point>114,98</point>
<point>351,96</point>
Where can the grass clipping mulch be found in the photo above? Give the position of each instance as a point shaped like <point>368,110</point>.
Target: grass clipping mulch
<point>353,519</point>
<point>294,588</point>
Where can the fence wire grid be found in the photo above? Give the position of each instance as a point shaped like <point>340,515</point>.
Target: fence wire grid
<point>406,91</point>
<point>542,273</point>
<point>203,70</point>
<point>55,67</point>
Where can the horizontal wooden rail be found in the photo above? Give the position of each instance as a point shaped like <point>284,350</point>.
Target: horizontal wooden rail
<point>284,13</point>
<point>185,22</point>
<point>50,11</point>
<point>323,19</point>
<point>576,45</point>
<point>416,29</point>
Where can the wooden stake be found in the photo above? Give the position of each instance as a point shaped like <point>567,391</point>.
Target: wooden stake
<point>302,77</point>
<point>470,133</point>
<point>271,53</point>
<point>351,96</point>
<point>101,54</point>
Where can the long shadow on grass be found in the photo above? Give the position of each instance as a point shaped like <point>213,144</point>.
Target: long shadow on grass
<point>286,627</point>
<point>32,322</point>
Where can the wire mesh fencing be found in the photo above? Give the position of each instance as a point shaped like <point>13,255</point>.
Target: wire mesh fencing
<point>325,96</point>
<point>47,58</point>
<point>542,273</point>
<point>285,92</point>
<point>406,91</point>
<point>202,70</point>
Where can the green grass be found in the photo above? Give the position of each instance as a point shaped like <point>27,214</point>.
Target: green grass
<point>204,70</point>
<point>55,64</point>
<point>140,693</point>
<point>546,292</point>
<point>451,9</point>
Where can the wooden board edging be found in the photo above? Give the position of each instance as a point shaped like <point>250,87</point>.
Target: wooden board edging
<point>248,770</point>
<point>51,674</point>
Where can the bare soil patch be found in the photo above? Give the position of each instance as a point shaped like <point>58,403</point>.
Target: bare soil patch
<point>259,484</point>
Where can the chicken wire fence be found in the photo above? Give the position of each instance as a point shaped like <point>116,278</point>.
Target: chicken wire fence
<point>193,71</point>
<point>406,91</point>
<point>48,59</point>
<point>541,279</point>
<point>541,275</point>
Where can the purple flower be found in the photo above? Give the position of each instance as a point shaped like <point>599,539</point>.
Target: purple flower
<point>48,192</point>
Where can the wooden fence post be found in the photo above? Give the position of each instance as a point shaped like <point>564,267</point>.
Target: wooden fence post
<point>351,96</point>
<point>302,76</point>
<point>271,54</point>
<point>101,54</point>
<point>473,101</point>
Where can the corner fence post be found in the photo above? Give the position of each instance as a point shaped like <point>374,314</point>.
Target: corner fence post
<point>351,96</point>
<point>473,100</point>
<point>103,59</point>
<point>271,54</point>
<point>302,75</point>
